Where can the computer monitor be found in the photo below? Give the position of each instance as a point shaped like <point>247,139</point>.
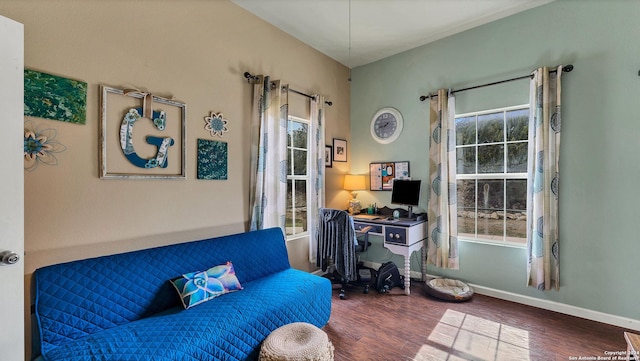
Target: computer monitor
<point>406,192</point>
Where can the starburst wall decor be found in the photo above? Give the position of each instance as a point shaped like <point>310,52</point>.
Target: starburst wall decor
<point>40,146</point>
<point>216,124</point>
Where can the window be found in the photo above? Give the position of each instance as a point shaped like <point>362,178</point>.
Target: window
<point>297,176</point>
<point>491,171</point>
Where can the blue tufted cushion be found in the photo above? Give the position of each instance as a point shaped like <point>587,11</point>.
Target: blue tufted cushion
<point>77,299</point>
<point>197,287</point>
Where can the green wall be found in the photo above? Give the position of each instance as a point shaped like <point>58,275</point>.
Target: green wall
<point>600,167</point>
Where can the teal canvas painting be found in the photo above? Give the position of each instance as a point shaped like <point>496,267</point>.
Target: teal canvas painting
<point>54,97</point>
<point>212,159</point>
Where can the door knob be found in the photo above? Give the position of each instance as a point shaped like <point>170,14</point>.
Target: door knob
<point>8,257</point>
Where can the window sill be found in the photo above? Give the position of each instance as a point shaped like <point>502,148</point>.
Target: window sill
<point>294,237</point>
<point>494,243</point>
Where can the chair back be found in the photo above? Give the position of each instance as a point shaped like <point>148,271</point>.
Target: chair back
<point>337,242</point>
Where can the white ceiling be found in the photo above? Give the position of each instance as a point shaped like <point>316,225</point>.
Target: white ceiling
<point>379,28</point>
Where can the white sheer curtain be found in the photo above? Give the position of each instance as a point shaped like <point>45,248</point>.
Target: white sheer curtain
<point>442,250</point>
<point>268,155</point>
<point>316,172</point>
<point>543,270</point>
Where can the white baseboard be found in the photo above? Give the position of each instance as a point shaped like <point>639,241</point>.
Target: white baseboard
<point>560,307</point>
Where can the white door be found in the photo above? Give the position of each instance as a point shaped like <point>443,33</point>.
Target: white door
<point>11,190</point>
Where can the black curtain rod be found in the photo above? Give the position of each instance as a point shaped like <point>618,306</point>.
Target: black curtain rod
<point>328,102</point>
<point>566,69</point>
<point>250,77</point>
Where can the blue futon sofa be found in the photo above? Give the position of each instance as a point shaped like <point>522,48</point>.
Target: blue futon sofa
<point>123,307</point>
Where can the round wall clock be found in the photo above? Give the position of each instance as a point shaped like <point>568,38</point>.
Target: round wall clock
<point>386,125</point>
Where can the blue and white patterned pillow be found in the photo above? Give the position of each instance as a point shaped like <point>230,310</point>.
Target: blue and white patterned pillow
<point>197,287</point>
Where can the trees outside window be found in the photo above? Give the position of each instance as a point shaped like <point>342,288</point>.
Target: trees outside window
<point>297,176</point>
<point>491,172</point>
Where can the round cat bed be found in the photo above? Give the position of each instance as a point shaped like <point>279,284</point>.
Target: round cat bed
<point>298,341</point>
<point>448,289</point>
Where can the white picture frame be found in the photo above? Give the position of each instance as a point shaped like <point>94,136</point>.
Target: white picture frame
<point>339,150</point>
<point>115,104</point>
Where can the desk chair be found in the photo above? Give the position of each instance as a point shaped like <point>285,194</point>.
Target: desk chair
<point>338,249</point>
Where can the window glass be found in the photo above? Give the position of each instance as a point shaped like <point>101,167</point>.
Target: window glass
<point>297,176</point>
<point>301,206</point>
<point>299,162</point>
<point>466,160</point>
<point>517,124</point>
<point>516,212</point>
<point>517,154</point>
<point>298,134</point>
<point>491,128</point>
<point>491,158</point>
<point>466,130</point>
<point>466,207</point>
<point>490,202</point>
<point>491,167</point>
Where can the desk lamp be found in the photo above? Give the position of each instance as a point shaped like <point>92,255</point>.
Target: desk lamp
<point>354,183</point>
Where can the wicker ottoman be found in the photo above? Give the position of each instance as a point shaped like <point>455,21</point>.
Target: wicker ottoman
<point>296,342</point>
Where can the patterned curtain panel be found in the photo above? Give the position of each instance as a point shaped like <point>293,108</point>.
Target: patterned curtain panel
<point>316,172</point>
<point>443,222</point>
<point>543,174</point>
<point>269,155</point>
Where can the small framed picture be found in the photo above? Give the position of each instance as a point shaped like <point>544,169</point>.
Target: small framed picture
<point>339,150</point>
<point>328,153</point>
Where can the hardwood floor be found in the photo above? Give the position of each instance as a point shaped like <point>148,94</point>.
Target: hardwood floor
<point>395,327</point>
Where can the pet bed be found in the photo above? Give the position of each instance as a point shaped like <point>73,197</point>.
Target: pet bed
<point>448,289</point>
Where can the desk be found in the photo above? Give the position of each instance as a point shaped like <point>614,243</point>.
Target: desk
<point>401,236</point>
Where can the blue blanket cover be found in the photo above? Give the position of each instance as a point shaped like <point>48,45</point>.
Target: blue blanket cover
<point>122,307</point>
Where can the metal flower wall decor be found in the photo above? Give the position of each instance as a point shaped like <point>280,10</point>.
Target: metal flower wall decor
<point>40,146</point>
<point>216,124</point>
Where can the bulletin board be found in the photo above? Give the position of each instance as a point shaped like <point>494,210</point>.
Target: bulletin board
<point>382,174</point>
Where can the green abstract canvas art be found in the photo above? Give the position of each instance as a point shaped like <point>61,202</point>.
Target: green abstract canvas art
<point>212,159</point>
<point>54,97</point>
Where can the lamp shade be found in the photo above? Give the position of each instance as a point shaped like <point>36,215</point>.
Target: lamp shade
<point>354,182</point>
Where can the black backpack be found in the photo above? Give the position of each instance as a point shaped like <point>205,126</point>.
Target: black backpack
<point>388,277</point>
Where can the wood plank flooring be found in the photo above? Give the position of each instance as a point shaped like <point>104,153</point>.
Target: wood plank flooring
<point>394,327</point>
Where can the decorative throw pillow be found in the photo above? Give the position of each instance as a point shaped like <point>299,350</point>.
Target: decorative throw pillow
<point>197,287</point>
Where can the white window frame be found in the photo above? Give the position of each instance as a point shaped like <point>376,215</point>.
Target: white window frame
<point>501,176</point>
<point>294,178</point>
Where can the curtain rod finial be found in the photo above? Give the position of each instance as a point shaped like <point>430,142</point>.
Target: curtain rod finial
<point>250,76</point>
<point>567,68</point>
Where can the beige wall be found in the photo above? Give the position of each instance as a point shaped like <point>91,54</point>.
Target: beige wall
<point>194,51</point>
